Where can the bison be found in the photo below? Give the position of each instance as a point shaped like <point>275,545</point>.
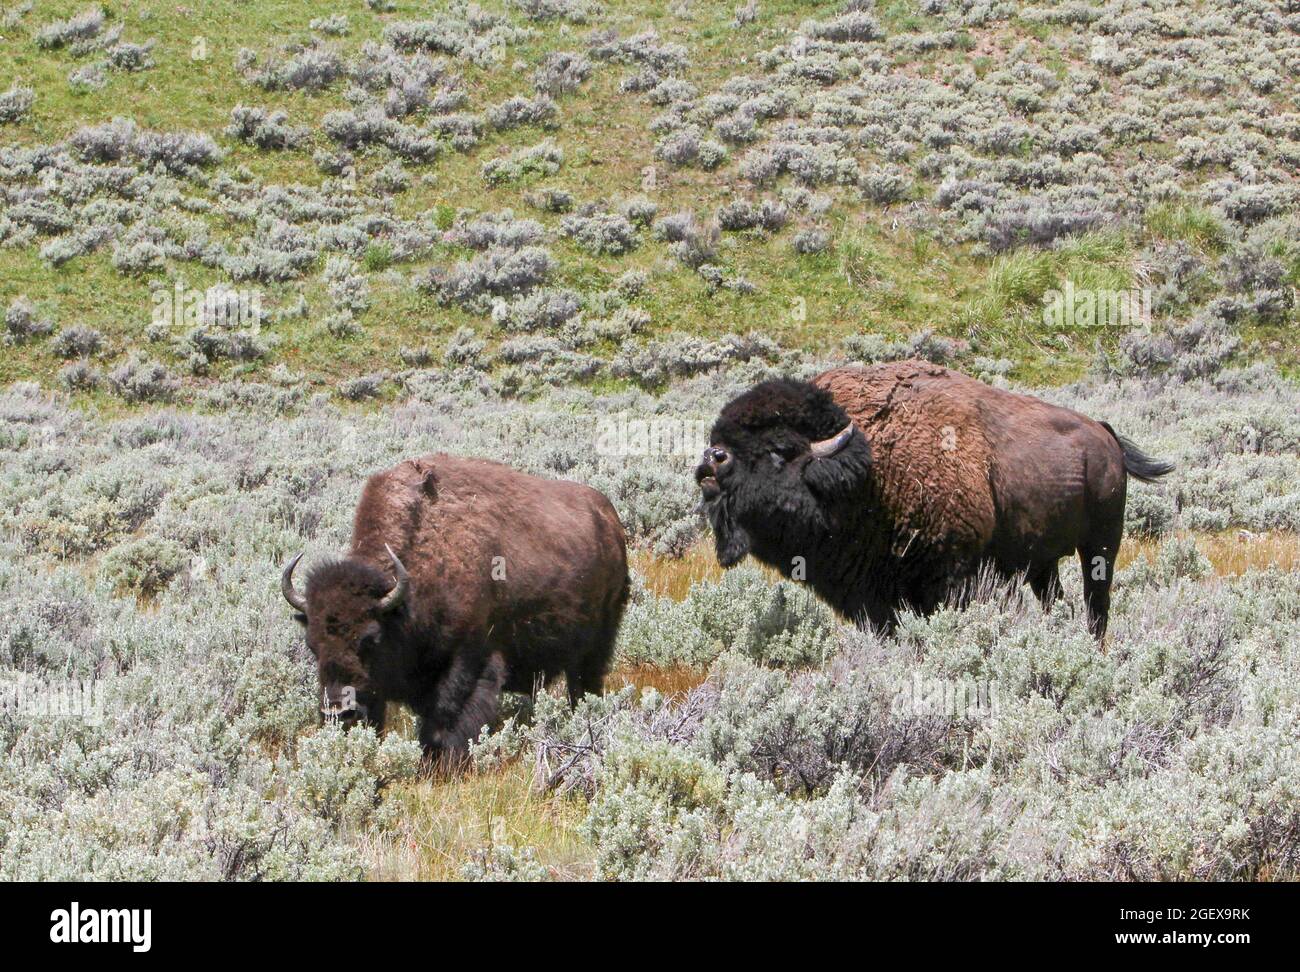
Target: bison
<point>894,485</point>
<point>465,578</point>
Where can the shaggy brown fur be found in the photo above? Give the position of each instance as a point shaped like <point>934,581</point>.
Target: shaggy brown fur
<point>514,580</point>
<point>941,476</point>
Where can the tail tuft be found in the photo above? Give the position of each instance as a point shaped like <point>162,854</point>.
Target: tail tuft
<point>1138,463</point>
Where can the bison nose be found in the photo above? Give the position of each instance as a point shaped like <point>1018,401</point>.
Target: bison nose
<point>339,703</point>
<point>715,464</point>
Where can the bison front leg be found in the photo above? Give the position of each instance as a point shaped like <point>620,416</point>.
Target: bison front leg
<point>950,585</point>
<point>467,698</point>
<point>1046,585</point>
<point>873,615</point>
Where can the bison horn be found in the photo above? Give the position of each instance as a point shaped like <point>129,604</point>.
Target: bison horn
<point>398,594</point>
<point>295,599</point>
<point>828,447</point>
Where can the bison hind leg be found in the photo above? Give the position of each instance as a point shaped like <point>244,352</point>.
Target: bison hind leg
<point>587,675</point>
<point>1097,558</point>
<point>1098,565</point>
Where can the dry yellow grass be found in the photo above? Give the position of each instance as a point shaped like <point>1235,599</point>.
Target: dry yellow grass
<point>1232,552</point>
<point>668,681</point>
<point>444,819</point>
<point>673,576</point>
<point>448,816</point>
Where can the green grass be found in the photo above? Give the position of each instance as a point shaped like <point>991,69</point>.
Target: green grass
<point>1018,280</point>
<point>1195,225</point>
<point>879,275</point>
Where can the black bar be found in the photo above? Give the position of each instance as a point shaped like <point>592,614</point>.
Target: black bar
<point>262,921</point>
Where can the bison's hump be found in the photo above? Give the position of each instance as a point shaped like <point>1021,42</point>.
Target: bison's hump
<point>483,509</point>
<point>931,454</point>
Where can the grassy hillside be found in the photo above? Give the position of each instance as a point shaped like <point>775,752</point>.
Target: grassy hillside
<point>897,169</point>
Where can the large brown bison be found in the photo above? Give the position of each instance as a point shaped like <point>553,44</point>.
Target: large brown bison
<point>465,578</point>
<point>893,485</point>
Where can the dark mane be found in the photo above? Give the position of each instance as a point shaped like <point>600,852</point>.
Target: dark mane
<point>348,575</point>
<point>784,402</point>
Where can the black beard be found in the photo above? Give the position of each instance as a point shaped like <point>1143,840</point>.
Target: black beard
<point>731,540</point>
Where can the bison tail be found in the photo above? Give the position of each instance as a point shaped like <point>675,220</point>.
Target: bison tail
<point>1138,463</point>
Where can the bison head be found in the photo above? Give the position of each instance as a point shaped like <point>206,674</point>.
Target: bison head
<point>343,611</point>
<point>782,458</point>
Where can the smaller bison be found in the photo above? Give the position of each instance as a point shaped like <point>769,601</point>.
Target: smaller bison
<point>465,578</point>
<point>894,486</point>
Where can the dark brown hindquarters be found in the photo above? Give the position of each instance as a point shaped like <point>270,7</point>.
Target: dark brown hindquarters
<point>1099,551</point>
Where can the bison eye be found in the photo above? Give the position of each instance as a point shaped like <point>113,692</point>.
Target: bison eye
<point>784,453</point>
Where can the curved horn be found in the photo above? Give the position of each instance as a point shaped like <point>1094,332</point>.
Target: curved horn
<point>828,447</point>
<point>295,599</point>
<point>398,594</point>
